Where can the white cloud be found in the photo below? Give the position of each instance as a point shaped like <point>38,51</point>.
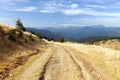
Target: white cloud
<point>26,9</point>
<point>88,12</point>
<point>47,11</point>
<point>74,6</point>
<point>76,9</point>
<point>50,7</point>
<point>97,13</point>
<point>73,11</point>
<point>67,8</point>
<point>96,6</point>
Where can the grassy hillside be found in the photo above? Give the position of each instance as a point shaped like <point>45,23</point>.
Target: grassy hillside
<point>16,46</point>
<point>113,43</point>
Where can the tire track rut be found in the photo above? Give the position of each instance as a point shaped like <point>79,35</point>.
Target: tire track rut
<point>32,72</point>
<point>89,69</point>
<point>62,67</point>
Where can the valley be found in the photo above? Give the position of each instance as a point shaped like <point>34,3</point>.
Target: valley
<point>86,33</point>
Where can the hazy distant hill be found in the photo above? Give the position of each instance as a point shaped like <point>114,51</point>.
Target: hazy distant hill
<point>46,33</point>
<point>81,34</point>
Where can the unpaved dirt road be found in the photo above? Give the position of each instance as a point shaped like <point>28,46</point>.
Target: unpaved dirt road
<point>62,63</point>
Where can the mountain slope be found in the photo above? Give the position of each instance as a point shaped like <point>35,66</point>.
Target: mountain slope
<point>80,34</point>
<point>47,33</point>
<point>89,33</point>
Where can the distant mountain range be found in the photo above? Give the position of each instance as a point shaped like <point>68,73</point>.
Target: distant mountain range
<point>80,34</point>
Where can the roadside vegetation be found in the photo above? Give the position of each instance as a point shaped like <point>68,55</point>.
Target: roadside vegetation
<point>104,40</point>
<point>61,39</point>
<point>113,43</point>
<point>108,59</point>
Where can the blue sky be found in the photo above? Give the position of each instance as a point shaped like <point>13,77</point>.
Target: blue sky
<point>61,13</point>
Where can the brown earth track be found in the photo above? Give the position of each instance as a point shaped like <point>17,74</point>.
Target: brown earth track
<point>62,67</point>
<point>35,67</point>
<point>62,63</point>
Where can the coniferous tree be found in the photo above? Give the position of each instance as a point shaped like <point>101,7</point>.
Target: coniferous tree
<point>19,25</point>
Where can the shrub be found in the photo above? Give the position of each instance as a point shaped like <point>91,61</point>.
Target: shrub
<point>61,39</point>
<point>11,34</point>
<point>19,34</point>
<point>38,35</point>
<point>32,32</point>
<point>31,37</point>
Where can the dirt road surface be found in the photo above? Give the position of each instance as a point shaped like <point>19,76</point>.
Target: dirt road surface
<point>62,63</point>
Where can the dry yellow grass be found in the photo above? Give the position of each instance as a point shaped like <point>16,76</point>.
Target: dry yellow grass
<point>9,57</point>
<point>5,26</point>
<point>108,59</point>
<point>111,43</point>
